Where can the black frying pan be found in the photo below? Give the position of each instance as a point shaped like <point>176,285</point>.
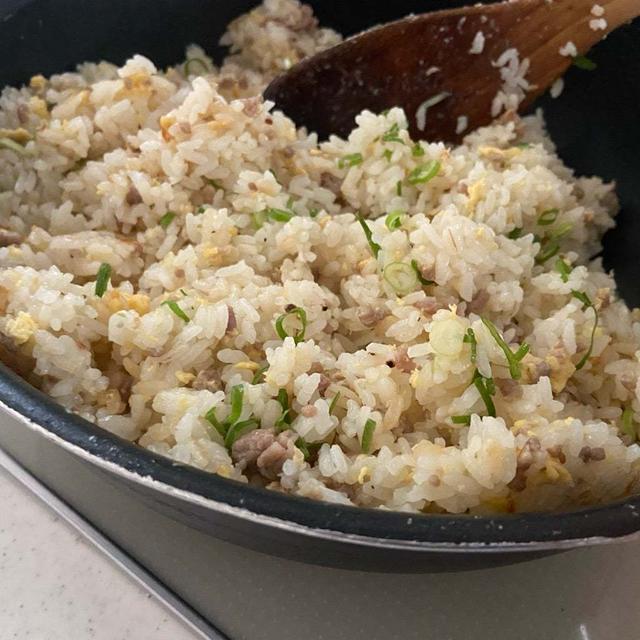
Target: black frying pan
<point>596,126</point>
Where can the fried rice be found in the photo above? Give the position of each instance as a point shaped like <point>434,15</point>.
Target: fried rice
<point>373,321</point>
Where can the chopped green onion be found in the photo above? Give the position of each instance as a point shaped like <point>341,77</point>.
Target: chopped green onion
<point>516,233</point>
<point>524,145</point>
<point>582,62</point>
<point>230,429</point>
<point>200,210</point>
<point>301,443</point>
<point>285,419</point>
<point>334,401</point>
<point>8,143</point>
<point>213,183</point>
<point>367,435</point>
<point>375,247</point>
<point>586,304</point>
<point>547,250</point>
<point>421,279</point>
<point>392,134</point>
<point>512,358</point>
<point>424,173</point>
<point>461,419</point>
<point>394,220</point>
<point>176,309</point>
<point>627,426</point>
<point>548,217</point>
<point>189,63</point>
<point>486,388</point>
<point>387,154</point>
<point>239,429</point>
<point>417,150</point>
<point>237,397</point>
<point>301,314</point>
<point>402,277</point>
<point>399,188</point>
<point>562,230</point>
<point>563,269</point>
<point>259,218</point>
<point>583,297</point>
<point>550,246</point>
<point>313,212</point>
<point>166,219</point>
<point>102,279</point>
<point>211,417</point>
<point>273,173</point>
<point>279,215</point>
<point>258,376</point>
<point>470,339</point>
<point>350,160</point>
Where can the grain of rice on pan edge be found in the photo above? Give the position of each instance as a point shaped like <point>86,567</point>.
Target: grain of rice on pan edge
<point>372,321</point>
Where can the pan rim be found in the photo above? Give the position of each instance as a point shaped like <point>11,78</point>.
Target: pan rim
<point>357,526</point>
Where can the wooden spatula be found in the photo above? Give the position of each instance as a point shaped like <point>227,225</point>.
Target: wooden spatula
<point>427,65</point>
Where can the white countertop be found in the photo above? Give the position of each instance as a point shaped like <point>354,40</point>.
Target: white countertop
<point>54,584</point>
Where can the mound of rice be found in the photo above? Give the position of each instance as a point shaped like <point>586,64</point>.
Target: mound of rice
<point>246,322</point>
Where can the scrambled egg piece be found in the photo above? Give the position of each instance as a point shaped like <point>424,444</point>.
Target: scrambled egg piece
<point>18,135</point>
<point>21,328</point>
<point>39,107</point>
<point>38,82</point>
<point>117,301</point>
<point>495,153</point>
<point>476,192</point>
<point>184,377</point>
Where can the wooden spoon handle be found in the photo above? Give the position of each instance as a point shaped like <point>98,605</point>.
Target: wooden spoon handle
<point>550,26</point>
<point>413,61</point>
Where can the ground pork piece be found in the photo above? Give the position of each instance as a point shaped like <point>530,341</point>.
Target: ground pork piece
<point>246,450</point>
<point>595,454</point>
<point>372,316</point>
<point>264,450</point>
<point>251,106</point>
<point>402,361</point>
<point>479,301</point>
<point>232,323</point>
<point>122,383</point>
<point>509,388</point>
<point>429,305</point>
<point>208,379</point>
<point>331,182</point>
<point>22,111</point>
<point>271,459</point>
<point>526,457</point>
<point>557,453</point>
<point>323,385</point>
<point>7,238</point>
<point>133,196</point>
